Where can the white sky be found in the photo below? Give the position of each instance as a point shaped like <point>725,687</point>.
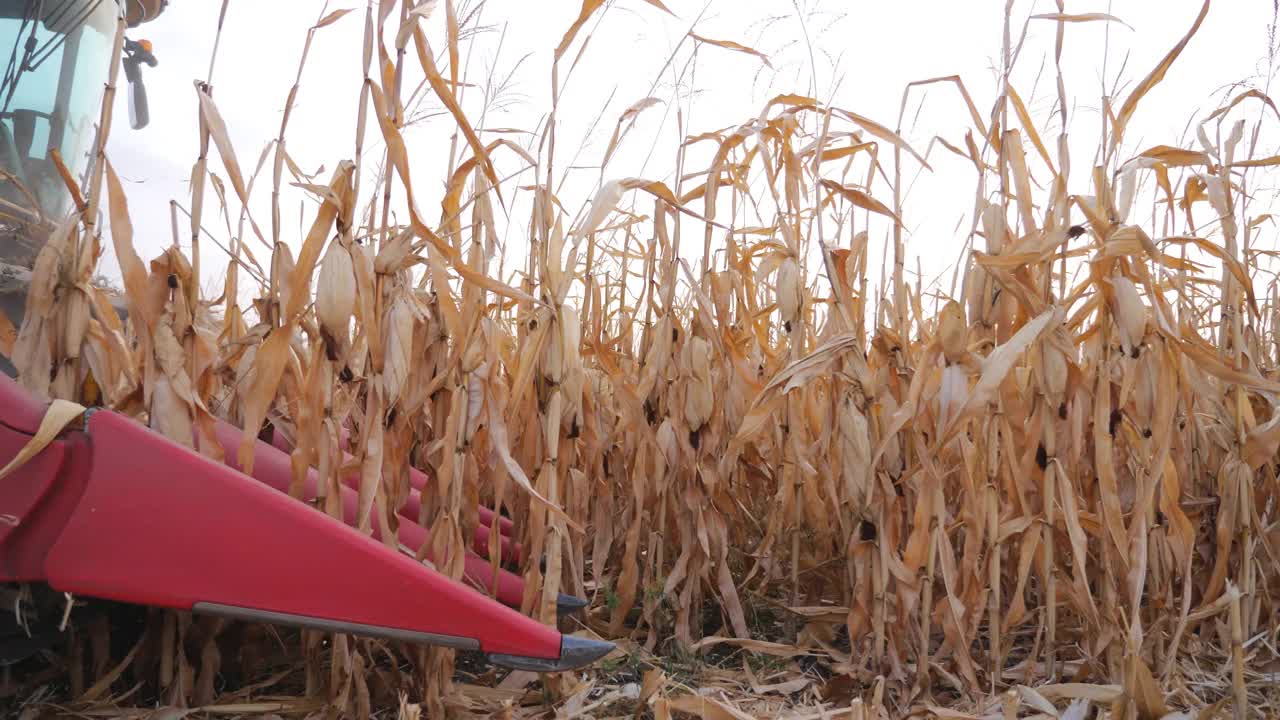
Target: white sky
<point>875,48</point>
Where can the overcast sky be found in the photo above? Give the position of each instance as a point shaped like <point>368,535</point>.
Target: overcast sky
<point>856,54</point>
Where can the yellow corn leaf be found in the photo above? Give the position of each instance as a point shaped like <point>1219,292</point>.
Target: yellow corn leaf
<point>843,152</point>
<point>661,191</point>
<point>269,364</point>
<point>498,439</point>
<point>1081,18</point>
<point>658,4</point>
<point>707,708</point>
<point>1102,694</point>
<point>8,336</point>
<point>299,287</point>
<point>57,417</point>
<point>1024,117</point>
<point>399,159</point>
<point>949,714</point>
<point>1175,156</point>
<point>447,97</point>
<point>805,369</point>
<point>1212,364</point>
<point>1259,162</point>
<point>1036,700</point>
<point>1262,443</point>
<point>1233,266</point>
<point>756,646</point>
<point>451,205</point>
<point>588,8</point>
<point>131,267</point>
<point>332,17</point>
<point>885,134</point>
<point>1147,694</point>
<point>1242,97</point>
<point>451,31</point>
<point>218,131</point>
<point>629,114</point>
<point>860,198</point>
<point>730,45</point>
<point>1153,78</point>
<point>996,367</point>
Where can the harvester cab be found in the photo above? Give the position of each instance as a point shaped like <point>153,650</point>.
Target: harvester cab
<point>109,509</point>
<point>56,59</point>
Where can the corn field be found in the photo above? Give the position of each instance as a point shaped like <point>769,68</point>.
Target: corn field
<point>792,484</point>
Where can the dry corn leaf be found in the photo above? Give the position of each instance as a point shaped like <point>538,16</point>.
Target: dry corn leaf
<point>706,707</point>
<point>1212,364</point>
<point>1154,78</point>
<point>1147,695</point>
<point>131,267</point>
<point>730,45</point>
<point>860,198</point>
<point>499,444</point>
<point>1036,700</point>
<point>57,417</point>
<point>451,34</point>
<point>885,134</point>
<point>757,646</point>
<point>1080,18</point>
<point>628,116</point>
<point>997,365</point>
<point>588,8</point>
<point>8,336</point>
<point>1175,156</point>
<point>332,18</point>
<point>212,120</point>
<point>709,454</point>
<point>299,279</point>
<point>1024,117</point>
<point>445,93</point>
<point>268,366</point>
<point>1101,694</point>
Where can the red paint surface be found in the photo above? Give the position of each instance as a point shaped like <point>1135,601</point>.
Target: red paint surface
<point>121,513</point>
<point>159,525</point>
<point>273,468</point>
<point>19,409</point>
<point>37,498</point>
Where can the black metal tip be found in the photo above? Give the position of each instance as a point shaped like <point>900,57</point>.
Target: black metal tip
<point>575,652</point>
<point>569,604</point>
<point>578,652</point>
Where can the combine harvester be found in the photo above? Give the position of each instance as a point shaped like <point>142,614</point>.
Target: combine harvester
<point>109,509</point>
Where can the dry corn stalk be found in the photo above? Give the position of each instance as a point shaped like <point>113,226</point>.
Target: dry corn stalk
<point>1076,469</point>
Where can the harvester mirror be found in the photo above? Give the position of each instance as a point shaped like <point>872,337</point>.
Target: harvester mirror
<point>135,54</point>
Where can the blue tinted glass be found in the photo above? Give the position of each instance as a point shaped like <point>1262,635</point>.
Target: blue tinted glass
<point>56,99</point>
<point>92,58</point>
<point>37,89</point>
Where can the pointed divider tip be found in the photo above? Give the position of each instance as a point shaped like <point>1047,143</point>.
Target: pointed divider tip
<point>575,652</point>
<point>569,604</point>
